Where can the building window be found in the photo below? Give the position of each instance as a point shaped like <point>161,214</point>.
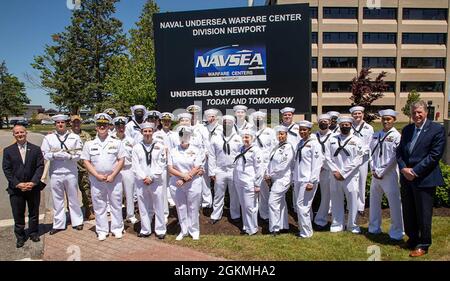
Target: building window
<point>422,86</point>
<point>424,38</point>
<point>424,14</point>
<point>380,14</point>
<point>314,37</point>
<point>313,12</point>
<point>337,87</point>
<point>340,37</point>
<point>423,62</point>
<point>339,62</point>
<point>314,62</point>
<point>379,62</point>
<point>379,38</point>
<point>313,87</point>
<point>390,87</point>
<point>340,13</point>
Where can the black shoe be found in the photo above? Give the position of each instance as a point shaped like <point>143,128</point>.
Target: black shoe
<point>275,233</point>
<point>140,235</point>
<point>161,236</point>
<point>411,244</point>
<point>54,231</point>
<point>35,238</point>
<point>236,220</point>
<point>361,213</point>
<point>20,243</point>
<point>78,227</point>
<point>243,232</point>
<point>213,221</point>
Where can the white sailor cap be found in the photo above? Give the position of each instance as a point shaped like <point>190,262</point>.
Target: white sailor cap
<point>228,118</point>
<point>184,115</point>
<point>167,116</point>
<point>102,118</point>
<point>323,117</point>
<point>280,128</point>
<point>138,107</point>
<point>240,107</point>
<point>334,114</point>
<point>344,119</point>
<point>153,114</point>
<point>258,115</point>
<point>287,109</point>
<point>120,120</point>
<point>211,112</point>
<point>193,108</point>
<point>388,112</point>
<point>305,123</point>
<point>111,112</point>
<point>60,117</point>
<point>247,132</point>
<point>356,108</point>
<point>147,125</point>
<point>184,130</point>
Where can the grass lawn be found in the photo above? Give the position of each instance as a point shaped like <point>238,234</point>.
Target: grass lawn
<point>322,246</point>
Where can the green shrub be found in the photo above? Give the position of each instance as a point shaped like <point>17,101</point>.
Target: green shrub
<point>442,196</point>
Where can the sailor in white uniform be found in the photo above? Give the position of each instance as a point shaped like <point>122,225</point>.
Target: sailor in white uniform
<point>344,155</point>
<point>240,112</point>
<point>184,165</point>
<point>113,114</point>
<point>103,158</point>
<point>149,164</point>
<point>247,175</point>
<point>63,149</point>
<point>278,177</point>
<point>133,129</point>
<point>308,162</point>
<point>334,115</point>
<point>224,148</point>
<point>385,176</point>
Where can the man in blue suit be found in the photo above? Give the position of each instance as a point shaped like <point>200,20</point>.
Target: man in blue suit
<point>418,154</point>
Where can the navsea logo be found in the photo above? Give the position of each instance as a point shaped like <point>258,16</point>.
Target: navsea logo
<point>235,63</point>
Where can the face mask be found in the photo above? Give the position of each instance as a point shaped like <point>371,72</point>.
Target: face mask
<point>139,116</point>
<point>323,126</point>
<point>345,130</point>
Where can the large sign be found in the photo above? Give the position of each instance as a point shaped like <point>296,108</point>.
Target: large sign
<point>257,56</point>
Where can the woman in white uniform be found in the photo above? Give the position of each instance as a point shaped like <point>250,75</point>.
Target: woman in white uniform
<point>247,176</point>
<point>186,184</point>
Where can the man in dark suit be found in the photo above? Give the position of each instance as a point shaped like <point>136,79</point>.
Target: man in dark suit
<point>418,154</point>
<point>23,166</point>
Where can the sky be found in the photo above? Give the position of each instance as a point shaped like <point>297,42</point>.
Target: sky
<point>26,27</point>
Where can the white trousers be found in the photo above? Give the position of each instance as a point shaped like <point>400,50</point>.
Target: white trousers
<point>101,193</point>
<point>278,213</point>
<point>349,189</point>
<point>128,183</point>
<point>389,186</point>
<point>363,169</point>
<point>152,195</point>
<point>224,178</point>
<point>165,191</point>
<point>249,204</point>
<point>264,200</point>
<point>188,198</point>
<point>207,199</point>
<point>65,184</point>
<point>325,200</point>
<point>304,201</point>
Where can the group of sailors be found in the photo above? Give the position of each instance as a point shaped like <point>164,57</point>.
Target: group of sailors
<point>193,165</point>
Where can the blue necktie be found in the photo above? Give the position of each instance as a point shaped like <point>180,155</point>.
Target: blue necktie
<point>414,139</point>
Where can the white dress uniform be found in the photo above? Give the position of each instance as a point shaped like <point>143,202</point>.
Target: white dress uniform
<point>150,160</point>
<point>321,217</point>
<point>128,182</point>
<point>280,172</point>
<point>201,140</point>
<point>363,131</point>
<point>187,197</point>
<point>308,162</point>
<point>222,152</point>
<point>344,155</point>
<point>63,152</point>
<point>265,140</point>
<point>133,131</point>
<point>104,156</point>
<point>292,137</point>
<point>171,141</point>
<point>248,173</point>
<point>384,164</point>
<point>238,128</point>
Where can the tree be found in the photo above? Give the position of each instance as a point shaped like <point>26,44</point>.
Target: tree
<point>133,78</point>
<point>365,91</point>
<point>12,94</point>
<point>74,69</point>
<point>413,97</point>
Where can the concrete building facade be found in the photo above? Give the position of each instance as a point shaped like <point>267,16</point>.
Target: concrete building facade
<point>406,38</point>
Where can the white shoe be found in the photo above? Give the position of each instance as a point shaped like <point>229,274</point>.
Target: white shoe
<point>133,220</point>
<point>171,203</point>
<point>196,237</point>
<point>118,235</point>
<point>101,236</point>
<point>167,220</point>
<point>180,236</point>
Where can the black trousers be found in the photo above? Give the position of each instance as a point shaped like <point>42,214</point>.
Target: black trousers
<point>417,203</point>
<point>19,200</point>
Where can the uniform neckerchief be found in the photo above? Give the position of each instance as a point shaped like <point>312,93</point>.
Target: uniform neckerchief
<point>280,145</point>
<point>342,147</point>
<point>380,144</point>
<point>148,154</point>
<point>258,139</point>
<point>226,146</point>
<point>242,154</point>
<point>300,148</point>
<point>322,143</point>
<point>290,132</point>
<point>62,142</point>
<point>358,130</point>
